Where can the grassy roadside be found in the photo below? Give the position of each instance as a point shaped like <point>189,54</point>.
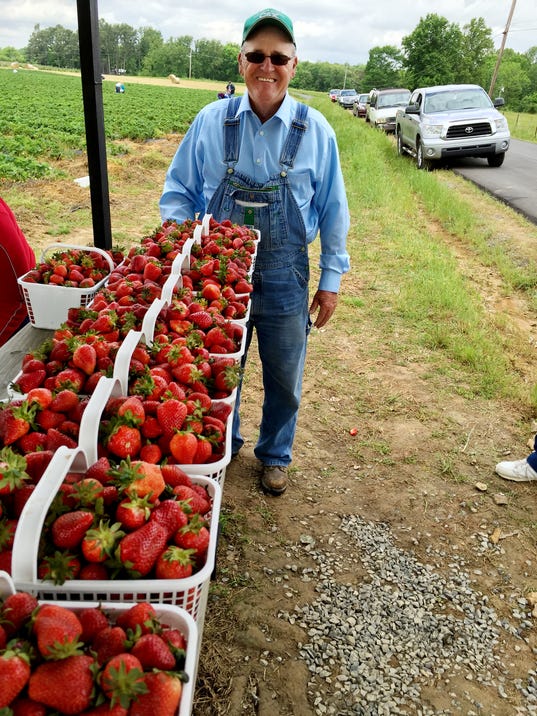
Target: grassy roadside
<point>400,221</point>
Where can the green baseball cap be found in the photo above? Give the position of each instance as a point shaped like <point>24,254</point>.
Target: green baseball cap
<point>269,16</point>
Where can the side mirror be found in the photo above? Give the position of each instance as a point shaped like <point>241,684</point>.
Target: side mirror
<point>499,102</point>
<point>412,109</point>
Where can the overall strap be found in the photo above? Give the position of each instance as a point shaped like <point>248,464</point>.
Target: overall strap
<point>294,137</point>
<point>231,131</point>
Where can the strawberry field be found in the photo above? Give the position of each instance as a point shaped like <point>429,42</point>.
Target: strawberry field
<point>44,118</point>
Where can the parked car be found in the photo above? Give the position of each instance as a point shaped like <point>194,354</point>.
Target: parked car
<point>334,94</point>
<point>359,105</point>
<point>346,98</point>
<point>383,105</point>
<point>450,121</point>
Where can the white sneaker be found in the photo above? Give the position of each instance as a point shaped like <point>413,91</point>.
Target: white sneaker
<point>516,470</point>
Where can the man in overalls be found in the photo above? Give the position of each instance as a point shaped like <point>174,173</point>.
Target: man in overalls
<point>267,160</point>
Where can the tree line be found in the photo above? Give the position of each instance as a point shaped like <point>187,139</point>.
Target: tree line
<point>435,52</point>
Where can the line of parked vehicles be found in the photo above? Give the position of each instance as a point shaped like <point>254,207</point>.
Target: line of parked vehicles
<point>434,124</point>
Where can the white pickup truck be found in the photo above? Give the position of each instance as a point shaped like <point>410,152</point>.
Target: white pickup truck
<point>450,121</point>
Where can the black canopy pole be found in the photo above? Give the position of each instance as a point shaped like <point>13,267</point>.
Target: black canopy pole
<point>92,92</point>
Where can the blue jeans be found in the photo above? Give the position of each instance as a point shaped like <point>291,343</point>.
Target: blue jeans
<point>280,318</point>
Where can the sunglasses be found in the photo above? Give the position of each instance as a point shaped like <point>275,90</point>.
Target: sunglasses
<point>256,58</point>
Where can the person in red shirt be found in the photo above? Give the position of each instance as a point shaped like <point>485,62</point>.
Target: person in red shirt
<point>16,258</point>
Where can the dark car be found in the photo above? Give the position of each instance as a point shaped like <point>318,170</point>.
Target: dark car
<point>359,105</point>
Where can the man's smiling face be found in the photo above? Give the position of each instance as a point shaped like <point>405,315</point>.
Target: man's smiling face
<point>266,82</point>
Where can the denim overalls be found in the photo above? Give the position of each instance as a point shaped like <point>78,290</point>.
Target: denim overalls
<point>279,311</point>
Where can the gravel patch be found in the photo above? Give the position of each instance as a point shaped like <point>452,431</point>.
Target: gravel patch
<point>376,641</point>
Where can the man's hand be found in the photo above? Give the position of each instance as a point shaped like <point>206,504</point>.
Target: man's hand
<point>325,302</point>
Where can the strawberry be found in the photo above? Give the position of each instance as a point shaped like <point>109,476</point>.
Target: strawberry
<point>202,319</point>
<point>85,358</point>
<point>124,441</point>
<point>173,475</point>
<point>194,536</point>
<point>162,697</point>
<point>16,611</point>
<point>93,620</point>
<point>31,441</point>
<point>42,396</point>
<point>132,513</point>
<point>58,567</point>
<point>57,630</point>
<point>68,530</point>
<point>109,642</point>
<point>70,379</point>
<point>141,617</point>
<point>37,462</point>
<point>171,515</point>
<point>196,501</point>
<point>14,675</point>
<point>151,453</point>
<point>174,563</point>
<point>99,542</point>
<point>100,471</point>
<point>171,415</point>
<point>183,446</point>
<point>30,380</point>
<point>139,478</point>
<point>176,640</point>
<point>15,421</point>
<point>64,401</point>
<point>13,474</point>
<point>94,571</point>
<point>21,497</point>
<point>56,439</point>
<point>121,679</point>
<point>153,653</point>
<point>139,550</point>
<point>132,411</point>
<point>47,419</point>
<point>48,682</point>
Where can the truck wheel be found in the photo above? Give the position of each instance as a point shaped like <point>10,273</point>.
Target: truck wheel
<point>400,150</point>
<point>496,160</point>
<point>421,162</point>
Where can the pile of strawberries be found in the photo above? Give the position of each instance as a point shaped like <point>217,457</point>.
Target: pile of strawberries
<point>56,659</point>
<point>73,268</point>
<point>130,521</point>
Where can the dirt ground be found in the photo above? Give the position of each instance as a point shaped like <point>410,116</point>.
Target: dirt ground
<point>420,451</point>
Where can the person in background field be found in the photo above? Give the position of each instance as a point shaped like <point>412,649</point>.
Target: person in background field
<point>16,258</point>
<point>230,89</point>
<point>266,160</point>
<point>524,470</point>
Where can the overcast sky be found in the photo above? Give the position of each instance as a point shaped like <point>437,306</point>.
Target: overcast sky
<point>329,31</point>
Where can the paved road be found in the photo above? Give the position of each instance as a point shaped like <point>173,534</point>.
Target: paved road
<point>515,182</point>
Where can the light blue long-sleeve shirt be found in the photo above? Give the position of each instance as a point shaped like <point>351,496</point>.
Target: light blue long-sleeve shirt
<point>316,179</point>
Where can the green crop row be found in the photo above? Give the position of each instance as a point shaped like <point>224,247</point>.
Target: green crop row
<point>42,118</point>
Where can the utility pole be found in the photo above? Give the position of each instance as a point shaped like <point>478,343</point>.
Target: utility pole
<point>500,53</point>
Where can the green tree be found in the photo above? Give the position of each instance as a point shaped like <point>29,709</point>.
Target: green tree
<point>173,57</point>
<point>433,52</point>
<point>53,47</point>
<point>383,68</point>
<point>477,48</point>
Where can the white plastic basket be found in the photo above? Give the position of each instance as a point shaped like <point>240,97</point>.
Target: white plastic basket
<point>167,614</point>
<point>48,305</point>
<point>189,594</point>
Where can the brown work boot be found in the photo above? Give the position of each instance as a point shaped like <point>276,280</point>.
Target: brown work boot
<point>274,479</point>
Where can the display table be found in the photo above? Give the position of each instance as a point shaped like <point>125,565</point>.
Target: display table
<point>12,353</point>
